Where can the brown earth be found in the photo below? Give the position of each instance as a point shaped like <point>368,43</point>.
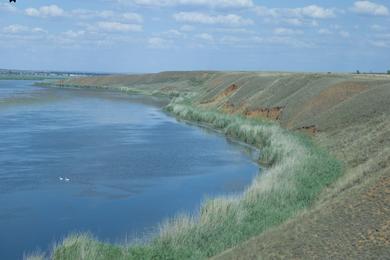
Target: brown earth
<point>273,113</point>
<point>225,93</point>
<point>309,130</point>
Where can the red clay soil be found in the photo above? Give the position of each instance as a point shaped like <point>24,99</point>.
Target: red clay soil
<point>230,90</point>
<point>227,92</point>
<point>309,130</point>
<point>273,113</point>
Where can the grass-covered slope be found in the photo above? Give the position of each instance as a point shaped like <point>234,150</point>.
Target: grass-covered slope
<point>347,116</point>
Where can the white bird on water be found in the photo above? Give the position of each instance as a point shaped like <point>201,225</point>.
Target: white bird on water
<point>64,179</point>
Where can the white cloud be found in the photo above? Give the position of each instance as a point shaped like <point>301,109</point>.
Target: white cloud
<point>314,11</point>
<point>294,21</point>
<point>234,30</point>
<point>378,28</point>
<point>119,27</point>
<point>74,34</point>
<point>232,40</point>
<point>158,43</point>
<point>195,17</point>
<point>7,7</point>
<point>370,8</point>
<point>187,28</point>
<point>336,26</point>
<point>265,11</point>
<point>96,38</point>
<point>104,14</point>
<point>380,44</point>
<point>53,11</point>
<point>32,12</point>
<point>205,3</point>
<point>380,40</point>
<point>287,31</point>
<point>205,37</point>
<point>16,28</point>
<point>46,11</point>
<point>385,36</point>
<point>344,34</point>
<point>324,31</point>
<point>38,30</point>
<point>132,17</point>
<point>282,40</point>
<point>88,14</point>
<point>172,34</point>
<point>311,11</point>
<point>299,21</point>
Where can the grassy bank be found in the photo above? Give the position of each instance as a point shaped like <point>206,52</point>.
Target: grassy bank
<point>297,171</point>
<point>122,89</point>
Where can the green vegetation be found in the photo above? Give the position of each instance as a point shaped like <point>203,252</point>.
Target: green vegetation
<point>388,72</point>
<point>298,171</point>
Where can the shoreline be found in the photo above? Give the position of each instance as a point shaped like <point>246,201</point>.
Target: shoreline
<point>174,228</point>
<point>154,115</point>
<point>207,97</point>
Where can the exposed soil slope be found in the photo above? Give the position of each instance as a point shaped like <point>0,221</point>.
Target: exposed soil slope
<point>328,101</point>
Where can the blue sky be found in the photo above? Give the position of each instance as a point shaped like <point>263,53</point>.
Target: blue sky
<point>159,35</point>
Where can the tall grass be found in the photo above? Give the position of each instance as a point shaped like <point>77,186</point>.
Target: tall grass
<point>35,256</point>
<point>297,171</point>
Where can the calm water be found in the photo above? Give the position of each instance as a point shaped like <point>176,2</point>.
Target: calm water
<point>129,166</point>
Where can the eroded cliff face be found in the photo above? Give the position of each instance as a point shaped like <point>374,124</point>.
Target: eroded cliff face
<point>306,102</point>
<point>273,113</point>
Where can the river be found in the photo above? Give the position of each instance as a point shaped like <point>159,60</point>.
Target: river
<point>107,163</point>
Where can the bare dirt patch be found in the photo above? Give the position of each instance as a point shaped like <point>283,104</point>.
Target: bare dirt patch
<point>273,113</point>
<point>225,93</point>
